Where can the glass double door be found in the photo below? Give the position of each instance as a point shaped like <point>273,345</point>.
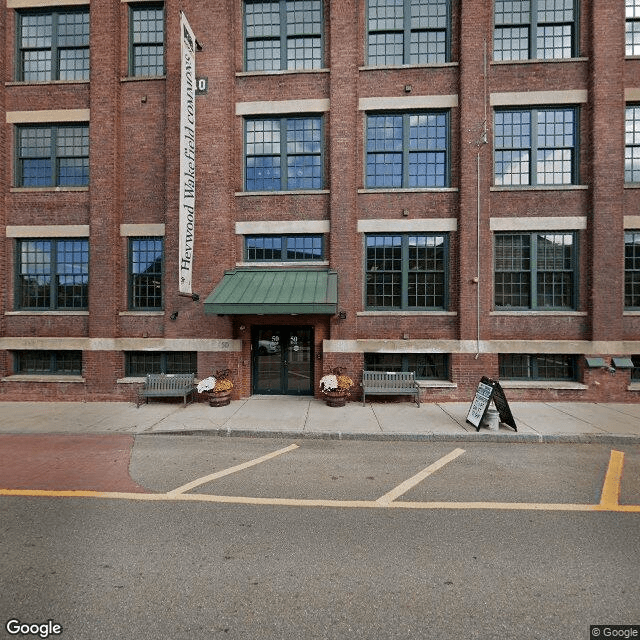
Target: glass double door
<point>283,360</point>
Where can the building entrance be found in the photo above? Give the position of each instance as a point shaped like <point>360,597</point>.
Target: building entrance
<point>282,360</point>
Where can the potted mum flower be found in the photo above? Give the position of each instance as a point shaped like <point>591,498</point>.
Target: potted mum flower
<point>336,387</point>
<point>217,387</point>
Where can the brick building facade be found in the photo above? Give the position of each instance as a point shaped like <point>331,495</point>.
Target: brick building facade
<point>441,186</point>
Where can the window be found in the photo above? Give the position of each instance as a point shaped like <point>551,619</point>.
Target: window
<point>635,372</point>
<point>534,29</point>
<point>146,29</point>
<point>632,269</point>
<point>407,150</point>
<point>284,248</point>
<point>535,271</point>
<point>536,147</point>
<point>145,273</point>
<point>53,45</point>
<point>140,363</point>
<point>54,155</point>
<point>632,28</point>
<point>632,144</point>
<point>406,271</point>
<point>408,32</point>
<point>66,363</point>
<point>52,274</point>
<point>283,154</point>
<point>285,34</point>
<point>522,366</point>
<point>426,366</point>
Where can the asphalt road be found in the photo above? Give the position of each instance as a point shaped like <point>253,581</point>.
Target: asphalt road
<point>331,561</point>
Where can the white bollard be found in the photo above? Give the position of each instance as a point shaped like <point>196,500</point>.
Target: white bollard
<point>491,420</point>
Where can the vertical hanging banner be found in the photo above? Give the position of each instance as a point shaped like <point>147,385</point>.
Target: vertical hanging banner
<point>187,155</point>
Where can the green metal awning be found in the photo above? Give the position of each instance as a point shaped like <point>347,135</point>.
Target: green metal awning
<point>275,291</point>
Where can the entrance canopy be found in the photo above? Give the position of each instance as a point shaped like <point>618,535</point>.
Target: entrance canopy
<point>274,291</point>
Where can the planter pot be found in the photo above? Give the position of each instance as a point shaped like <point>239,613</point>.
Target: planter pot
<point>219,398</point>
<point>336,398</point>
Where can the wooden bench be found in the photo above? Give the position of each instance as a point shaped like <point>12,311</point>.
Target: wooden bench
<point>389,383</point>
<point>160,385</point>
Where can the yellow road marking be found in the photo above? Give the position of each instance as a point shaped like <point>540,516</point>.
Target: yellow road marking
<point>609,500</point>
<point>402,488</point>
<point>225,472</point>
<point>611,487</point>
<point>297,502</point>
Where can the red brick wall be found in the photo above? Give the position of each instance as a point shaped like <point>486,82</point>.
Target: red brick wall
<point>134,180</point>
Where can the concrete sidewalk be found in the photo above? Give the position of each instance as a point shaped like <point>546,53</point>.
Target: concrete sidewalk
<point>295,417</point>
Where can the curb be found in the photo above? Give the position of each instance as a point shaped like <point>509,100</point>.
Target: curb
<point>529,438</point>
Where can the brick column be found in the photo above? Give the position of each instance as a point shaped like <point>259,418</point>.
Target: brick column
<point>344,134</point>
<point>5,165</point>
<point>105,260</point>
<point>475,23</point>
<point>605,249</point>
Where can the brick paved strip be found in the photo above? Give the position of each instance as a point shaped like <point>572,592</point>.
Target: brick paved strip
<point>71,462</point>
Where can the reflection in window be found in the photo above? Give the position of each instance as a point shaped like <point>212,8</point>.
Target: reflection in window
<point>299,248</point>
<point>632,28</point>
<point>145,279</point>
<point>535,147</point>
<point>283,154</point>
<point>146,40</point>
<point>407,150</point>
<point>534,29</point>
<point>285,34</point>
<point>53,156</point>
<point>53,45</point>
<point>53,274</point>
<point>408,32</point>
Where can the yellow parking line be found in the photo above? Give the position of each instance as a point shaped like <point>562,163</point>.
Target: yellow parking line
<point>225,472</point>
<point>336,504</point>
<point>611,488</point>
<point>402,488</point>
<point>609,500</point>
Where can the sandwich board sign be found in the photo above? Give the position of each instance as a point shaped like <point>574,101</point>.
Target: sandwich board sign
<point>487,391</point>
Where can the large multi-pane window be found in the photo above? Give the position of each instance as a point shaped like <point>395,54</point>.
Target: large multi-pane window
<point>145,273</point>
<point>523,366</point>
<point>141,363</point>
<point>632,28</point>
<point>407,32</point>
<point>535,270</point>
<point>406,271</point>
<point>534,29</point>
<point>407,150</point>
<point>632,269</point>
<point>284,248</point>
<point>53,45</point>
<point>52,274</point>
<point>146,35</point>
<point>632,144</point>
<point>425,366</point>
<point>66,363</point>
<point>283,153</point>
<point>285,34</point>
<point>536,147</point>
<point>52,155</point>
